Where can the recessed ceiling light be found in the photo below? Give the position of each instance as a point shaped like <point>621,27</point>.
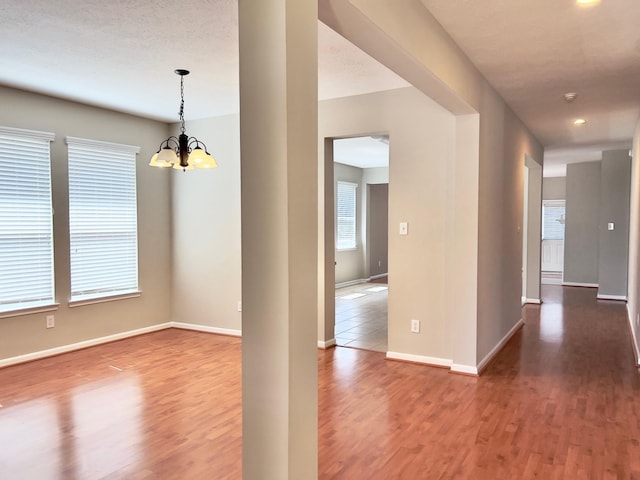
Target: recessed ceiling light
<point>579,121</point>
<point>587,2</point>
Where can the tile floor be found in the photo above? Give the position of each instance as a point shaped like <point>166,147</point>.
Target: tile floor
<point>361,316</point>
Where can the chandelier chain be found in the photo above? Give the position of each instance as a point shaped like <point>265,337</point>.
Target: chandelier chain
<point>181,113</point>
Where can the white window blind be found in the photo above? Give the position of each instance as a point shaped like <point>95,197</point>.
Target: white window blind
<point>346,216</point>
<point>103,224</point>
<point>553,219</point>
<point>26,224</point>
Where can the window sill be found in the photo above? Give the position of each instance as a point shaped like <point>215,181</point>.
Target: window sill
<point>110,298</point>
<point>29,310</point>
<point>349,249</point>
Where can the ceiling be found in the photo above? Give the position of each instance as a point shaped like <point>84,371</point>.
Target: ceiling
<point>362,152</point>
<point>535,52</point>
<point>121,55</point>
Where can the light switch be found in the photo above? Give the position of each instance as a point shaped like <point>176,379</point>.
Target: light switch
<point>610,226</point>
<point>404,228</point>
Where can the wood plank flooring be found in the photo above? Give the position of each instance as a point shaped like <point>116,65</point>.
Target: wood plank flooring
<point>561,401</point>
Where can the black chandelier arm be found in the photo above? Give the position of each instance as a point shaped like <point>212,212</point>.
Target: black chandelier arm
<point>198,144</point>
<point>171,142</point>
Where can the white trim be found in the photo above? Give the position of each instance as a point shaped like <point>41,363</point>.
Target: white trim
<point>466,369</point>
<point>114,147</point>
<point>407,357</point>
<point>374,277</point>
<point>633,338</point>
<point>351,282</point>
<point>80,302</point>
<point>578,284</point>
<point>612,297</point>
<point>550,281</point>
<point>327,344</point>
<point>80,345</point>
<point>206,328</point>
<point>494,351</point>
<point>535,301</point>
<point>49,307</point>
<point>32,134</point>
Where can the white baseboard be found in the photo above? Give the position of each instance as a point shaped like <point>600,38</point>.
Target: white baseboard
<point>612,297</point>
<point>494,351</point>
<point>464,369</point>
<point>407,357</point>
<point>206,328</point>
<point>327,344</point>
<point>351,282</point>
<point>80,345</point>
<point>535,301</point>
<point>550,281</point>
<point>578,284</point>
<point>374,277</point>
<point>636,352</point>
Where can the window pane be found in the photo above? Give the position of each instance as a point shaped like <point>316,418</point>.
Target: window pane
<point>103,225</point>
<point>26,224</point>
<point>346,215</point>
<point>553,219</point>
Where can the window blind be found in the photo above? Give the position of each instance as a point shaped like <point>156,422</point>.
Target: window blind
<point>26,223</point>
<point>553,219</point>
<point>103,225</point>
<point>346,216</point>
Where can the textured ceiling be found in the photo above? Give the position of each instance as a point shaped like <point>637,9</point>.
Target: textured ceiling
<point>534,52</point>
<point>121,54</point>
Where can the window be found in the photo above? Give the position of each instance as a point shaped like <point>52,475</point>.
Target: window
<point>553,219</point>
<point>346,216</point>
<point>103,226</point>
<point>26,223</point>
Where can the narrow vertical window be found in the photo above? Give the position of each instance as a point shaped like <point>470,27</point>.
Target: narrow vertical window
<point>346,216</point>
<point>103,224</point>
<point>553,219</point>
<point>26,220</point>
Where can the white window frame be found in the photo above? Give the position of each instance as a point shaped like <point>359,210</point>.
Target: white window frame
<point>103,224</point>
<point>27,279</point>
<point>346,240</point>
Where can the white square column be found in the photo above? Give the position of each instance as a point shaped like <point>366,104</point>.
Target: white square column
<point>279,173</point>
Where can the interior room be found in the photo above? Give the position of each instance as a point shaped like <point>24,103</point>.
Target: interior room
<point>392,239</point>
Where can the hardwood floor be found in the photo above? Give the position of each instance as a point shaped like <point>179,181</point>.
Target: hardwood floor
<point>561,401</point>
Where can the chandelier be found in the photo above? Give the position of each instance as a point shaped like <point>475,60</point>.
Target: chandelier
<point>182,152</point>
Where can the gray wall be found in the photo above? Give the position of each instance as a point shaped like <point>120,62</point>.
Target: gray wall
<point>206,231</point>
<point>615,185</point>
<point>25,334</point>
<point>581,229</point>
<point>484,195</point>
<point>377,228</point>
<point>554,188</point>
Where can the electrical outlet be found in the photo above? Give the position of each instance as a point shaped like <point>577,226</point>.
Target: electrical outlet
<point>415,326</point>
<point>51,321</point>
<point>239,305</point>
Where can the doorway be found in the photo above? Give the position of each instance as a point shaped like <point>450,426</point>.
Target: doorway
<point>361,175</point>
<point>553,220</point>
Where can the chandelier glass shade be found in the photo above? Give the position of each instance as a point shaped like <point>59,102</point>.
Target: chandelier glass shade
<point>182,152</point>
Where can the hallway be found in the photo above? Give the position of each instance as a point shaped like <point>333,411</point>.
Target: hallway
<point>560,401</point>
